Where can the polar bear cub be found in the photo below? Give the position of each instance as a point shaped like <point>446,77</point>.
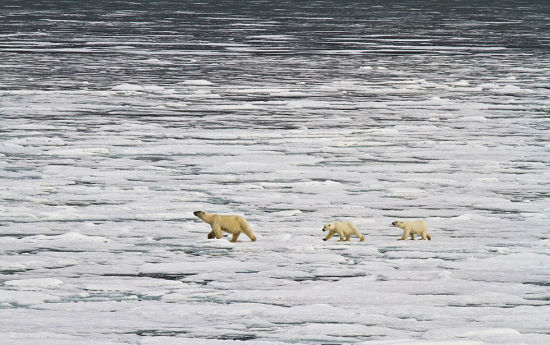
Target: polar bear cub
<point>344,229</point>
<point>411,228</point>
<point>233,224</point>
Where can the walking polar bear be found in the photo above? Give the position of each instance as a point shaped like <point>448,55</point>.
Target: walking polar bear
<point>411,228</point>
<point>233,224</point>
<point>344,229</point>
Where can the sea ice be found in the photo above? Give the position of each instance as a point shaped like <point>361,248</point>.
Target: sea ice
<point>117,124</point>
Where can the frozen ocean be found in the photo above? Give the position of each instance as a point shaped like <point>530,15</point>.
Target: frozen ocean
<point>120,118</point>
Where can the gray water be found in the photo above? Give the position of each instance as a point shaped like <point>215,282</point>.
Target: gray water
<point>59,45</point>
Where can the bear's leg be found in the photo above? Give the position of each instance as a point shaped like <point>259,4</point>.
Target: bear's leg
<point>412,236</point>
<point>235,236</point>
<point>330,234</point>
<point>348,237</point>
<point>362,238</point>
<point>404,237</point>
<point>217,230</point>
<point>428,236</point>
<point>248,232</point>
<point>342,238</point>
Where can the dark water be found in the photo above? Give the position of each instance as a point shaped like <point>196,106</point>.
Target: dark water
<point>62,43</point>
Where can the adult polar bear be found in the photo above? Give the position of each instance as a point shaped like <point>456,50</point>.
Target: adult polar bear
<point>418,227</point>
<point>233,224</point>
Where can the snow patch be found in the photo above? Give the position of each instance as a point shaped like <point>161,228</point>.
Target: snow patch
<point>34,284</point>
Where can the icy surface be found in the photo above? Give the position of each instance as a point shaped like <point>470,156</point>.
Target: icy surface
<point>117,122</point>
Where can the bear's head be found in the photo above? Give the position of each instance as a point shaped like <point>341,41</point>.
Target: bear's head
<point>329,226</point>
<point>398,223</point>
<point>199,214</point>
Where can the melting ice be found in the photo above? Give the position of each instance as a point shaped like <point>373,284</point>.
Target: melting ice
<point>118,122</point>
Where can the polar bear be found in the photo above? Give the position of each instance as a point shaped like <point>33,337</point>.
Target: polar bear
<point>418,227</point>
<point>343,229</point>
<point>233,224</point>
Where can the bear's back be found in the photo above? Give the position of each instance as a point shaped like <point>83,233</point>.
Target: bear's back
<point>346,226</point>
<point>419,225</point>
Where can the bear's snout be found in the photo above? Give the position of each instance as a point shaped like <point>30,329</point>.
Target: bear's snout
<point>197,213</point>
<point>393,223</point>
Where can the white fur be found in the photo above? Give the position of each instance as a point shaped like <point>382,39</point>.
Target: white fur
<point>344,229</point>
<point>418,227</point>
<point>233,224</point>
